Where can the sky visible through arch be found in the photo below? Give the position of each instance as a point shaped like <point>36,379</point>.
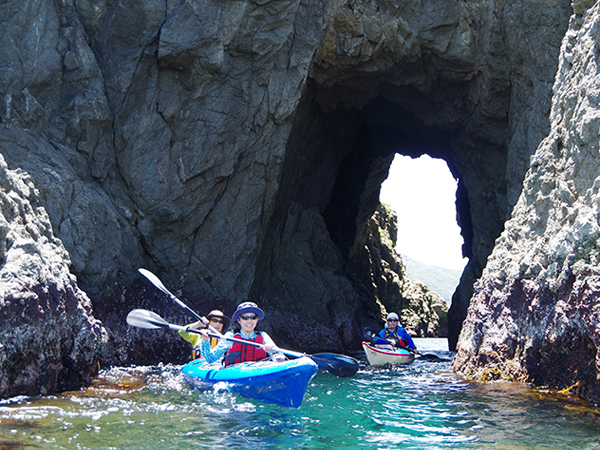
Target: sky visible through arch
<point>422,191</point>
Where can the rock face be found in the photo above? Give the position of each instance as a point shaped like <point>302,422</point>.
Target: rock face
<point>237,148</point>
<point>534,316</point>
<point>49,340</point>
<point>422,313</point>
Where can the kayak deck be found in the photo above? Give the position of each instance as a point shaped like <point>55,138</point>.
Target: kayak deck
<point>282,383</point>
<point>379,356</point>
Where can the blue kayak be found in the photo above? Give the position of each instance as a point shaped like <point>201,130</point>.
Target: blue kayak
<point>282,383</point>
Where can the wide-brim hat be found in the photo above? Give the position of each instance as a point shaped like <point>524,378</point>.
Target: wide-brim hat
<point>220,315</point>
<point>248,307</point>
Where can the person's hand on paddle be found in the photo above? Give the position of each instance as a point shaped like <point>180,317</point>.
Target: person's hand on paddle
<point>202,323</point>
<point>270,349</point>
<point>204,334</point>
<point>276,355</point>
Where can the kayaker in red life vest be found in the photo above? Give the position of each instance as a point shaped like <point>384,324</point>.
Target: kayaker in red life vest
<point>245,317</point>
<point>215,319</point>
<point>395,334</point>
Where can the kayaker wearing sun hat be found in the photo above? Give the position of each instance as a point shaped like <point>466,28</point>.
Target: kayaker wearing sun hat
<point>245,318</point>
<point>215,319</point>
<point>394,333</point>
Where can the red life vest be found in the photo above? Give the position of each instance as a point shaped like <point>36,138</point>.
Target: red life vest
<point>241,352</point>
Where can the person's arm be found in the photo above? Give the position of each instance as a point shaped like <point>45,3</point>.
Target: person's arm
<point>193,338</point>
<point>403,334</point>
<point>268,342</point>
<point>269,345</point>
<point>212,355</point>
<point>381,338</point>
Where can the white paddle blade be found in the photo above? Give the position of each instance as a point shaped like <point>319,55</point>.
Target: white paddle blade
<point>154,280</point>
<point>142,318</point>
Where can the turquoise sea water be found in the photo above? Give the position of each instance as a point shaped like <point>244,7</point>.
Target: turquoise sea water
<point>420,406</point>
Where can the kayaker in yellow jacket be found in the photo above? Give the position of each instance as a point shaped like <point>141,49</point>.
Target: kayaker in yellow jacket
<point>216,319</point>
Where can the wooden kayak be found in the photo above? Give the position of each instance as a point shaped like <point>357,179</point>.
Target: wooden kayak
<point>379,356</point>
<point>282,383</point>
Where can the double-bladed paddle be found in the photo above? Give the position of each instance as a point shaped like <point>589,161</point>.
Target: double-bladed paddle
<point>371,335</point>
<point>339,365</point>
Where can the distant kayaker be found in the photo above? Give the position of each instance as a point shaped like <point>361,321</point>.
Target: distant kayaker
<point>216,319</point>
<point>245,319</point>
<point>396,335</point>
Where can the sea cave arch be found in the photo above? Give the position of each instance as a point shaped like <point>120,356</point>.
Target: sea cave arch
<point>336,161</point>
<point>461,84</point>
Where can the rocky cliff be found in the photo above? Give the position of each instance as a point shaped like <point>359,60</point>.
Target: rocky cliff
<point>534,316</point>
<point>49,340</point>
<point>237,148</point>
<point>423,313</point>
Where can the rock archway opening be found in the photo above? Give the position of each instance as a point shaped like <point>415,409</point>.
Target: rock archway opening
<point>422,193</point>
<point>384,130</point>
<point>337,157</point>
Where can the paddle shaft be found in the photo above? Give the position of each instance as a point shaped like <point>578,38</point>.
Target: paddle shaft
<point>339,365</point>
<point>156,282</point>
<point>394,345</point>
<point>220,336</point>
<point>416,352</point>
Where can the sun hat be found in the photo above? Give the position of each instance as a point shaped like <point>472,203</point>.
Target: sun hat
<point>248,307</point>
<point>220,315</point>
<point>392,316</point>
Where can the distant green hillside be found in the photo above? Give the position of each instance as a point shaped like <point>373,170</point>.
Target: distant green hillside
<point>439,280</point>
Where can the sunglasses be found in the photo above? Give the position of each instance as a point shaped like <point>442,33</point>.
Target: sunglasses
<point>217,321</point>
<point>250,317</point>
<point>392,320</point>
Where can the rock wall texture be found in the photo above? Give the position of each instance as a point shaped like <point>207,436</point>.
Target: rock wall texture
<point>422,313</point>
<point>534,316</point>
<point>237,148</point>
<point>49,340</point>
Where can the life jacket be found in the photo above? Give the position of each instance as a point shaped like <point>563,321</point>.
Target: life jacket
<point>389,334</point>
<point>196,351</point>
<point>242,352</point>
